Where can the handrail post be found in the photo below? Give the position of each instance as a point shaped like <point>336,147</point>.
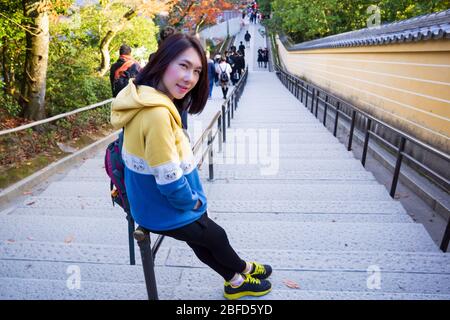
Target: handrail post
<point>295,88</point>
<point>397,166</point>
<point>210,156</point>
<point>231,102</point>
<point>312,99</point>
<point>366,142</point>
<point>336,118</point>
<point>219,126</point>
<point>325,111</point>
<point>446,238</point>
<point>224,125</point>
<point>131,228</point>
<point>228,113</point>
<point>307,94</point>
<point>352,129</point>
<point>301,96</point>
<point>142,237</point>
<point>317,102</point>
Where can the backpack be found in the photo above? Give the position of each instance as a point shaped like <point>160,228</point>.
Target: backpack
<point>122,76</point>
<point>223,75</point>
<point>121,82</point>
<point>115,169</point>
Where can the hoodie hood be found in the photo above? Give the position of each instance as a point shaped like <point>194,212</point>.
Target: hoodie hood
<point>133,99</point>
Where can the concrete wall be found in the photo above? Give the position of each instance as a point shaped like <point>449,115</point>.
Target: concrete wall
<point>406,85</point>
<point>219,31</point>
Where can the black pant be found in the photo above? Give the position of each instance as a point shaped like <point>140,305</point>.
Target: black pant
<point>224,91</point>
<point>210,244</point>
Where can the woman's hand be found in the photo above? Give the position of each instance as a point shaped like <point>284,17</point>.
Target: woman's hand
<point>198,204</point>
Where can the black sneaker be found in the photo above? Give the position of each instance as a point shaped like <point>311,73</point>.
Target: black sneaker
<point>260,271</point>
<point>250,287</point>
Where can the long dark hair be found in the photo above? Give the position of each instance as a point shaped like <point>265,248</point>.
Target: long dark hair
<point>194,102</point>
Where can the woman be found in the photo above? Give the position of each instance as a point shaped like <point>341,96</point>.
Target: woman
<point>260,57</point>
<point>221,69</point>
<point>161,177</point>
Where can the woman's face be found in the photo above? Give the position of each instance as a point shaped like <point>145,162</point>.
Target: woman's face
<point>181,75</point>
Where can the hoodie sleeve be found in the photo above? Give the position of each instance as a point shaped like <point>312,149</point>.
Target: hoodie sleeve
<point>161,154</point>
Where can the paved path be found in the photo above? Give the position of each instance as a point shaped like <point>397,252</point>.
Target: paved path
<point>288,194</point>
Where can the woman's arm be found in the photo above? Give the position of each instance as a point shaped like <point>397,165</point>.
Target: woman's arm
<point>162,155</point>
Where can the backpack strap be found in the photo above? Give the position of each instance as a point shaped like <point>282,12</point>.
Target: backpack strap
<point>124,67</point>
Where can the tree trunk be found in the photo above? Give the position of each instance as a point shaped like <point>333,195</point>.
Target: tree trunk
<point>34,81</point>
<point>104,50</point>
<point>104,44</point>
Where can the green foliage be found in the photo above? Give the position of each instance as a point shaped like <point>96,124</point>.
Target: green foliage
<point>74,56</point>
<point>10,105</point>
<point>306,20</point>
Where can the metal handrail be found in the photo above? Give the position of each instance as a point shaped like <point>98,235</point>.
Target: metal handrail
<point>54,118</point>
<point>300,87</point>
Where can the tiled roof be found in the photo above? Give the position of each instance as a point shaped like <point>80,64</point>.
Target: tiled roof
<point>425,27</point>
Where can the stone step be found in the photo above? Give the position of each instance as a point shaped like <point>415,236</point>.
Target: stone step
<point>282,235</point>
<point>299,119</point>
<point>297,206</point>
<point>307,192</point>
<point>117,213</point>
<point>218,190</point>
<point>298,260</point>
<point>180,255</point>
<point>272,164</point>
<point>238,135</point>
<point>284,149</point>
<point>75,253</point>
<point>31,289</point>
<point>280,206</point>
<point>354,281</point>
<point>14,289</point>
<point>257,178</point>
<point>53,281</point>
<point>289,176</point>
<point>204,293</point>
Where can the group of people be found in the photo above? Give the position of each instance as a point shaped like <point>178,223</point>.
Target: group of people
<point>252,11</point>
<point>162,181</point>
<point>263,57</point>
<point>227,69</point>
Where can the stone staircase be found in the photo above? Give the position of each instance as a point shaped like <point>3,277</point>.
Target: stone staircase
<point>319,218</point>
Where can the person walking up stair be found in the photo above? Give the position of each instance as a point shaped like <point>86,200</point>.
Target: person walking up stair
<point>224,71</point>
<point>247,38</point>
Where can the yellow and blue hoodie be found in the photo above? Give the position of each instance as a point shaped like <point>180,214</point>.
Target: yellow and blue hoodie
<point>161,176</point>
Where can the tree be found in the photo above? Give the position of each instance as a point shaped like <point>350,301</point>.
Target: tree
<point>308,20</point>
<point>120,14</point>
<point>12,37</point>
<point>36,14</point>
<point>192,14</point>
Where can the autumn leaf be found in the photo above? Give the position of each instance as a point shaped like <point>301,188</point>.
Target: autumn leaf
<point>291,284</point>
<point>69,239</point>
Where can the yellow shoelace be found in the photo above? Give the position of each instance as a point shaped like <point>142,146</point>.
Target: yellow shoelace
<point>252,280</point>
<point>259,269</point>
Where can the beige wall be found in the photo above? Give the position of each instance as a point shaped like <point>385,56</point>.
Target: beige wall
<point>406,85</point>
